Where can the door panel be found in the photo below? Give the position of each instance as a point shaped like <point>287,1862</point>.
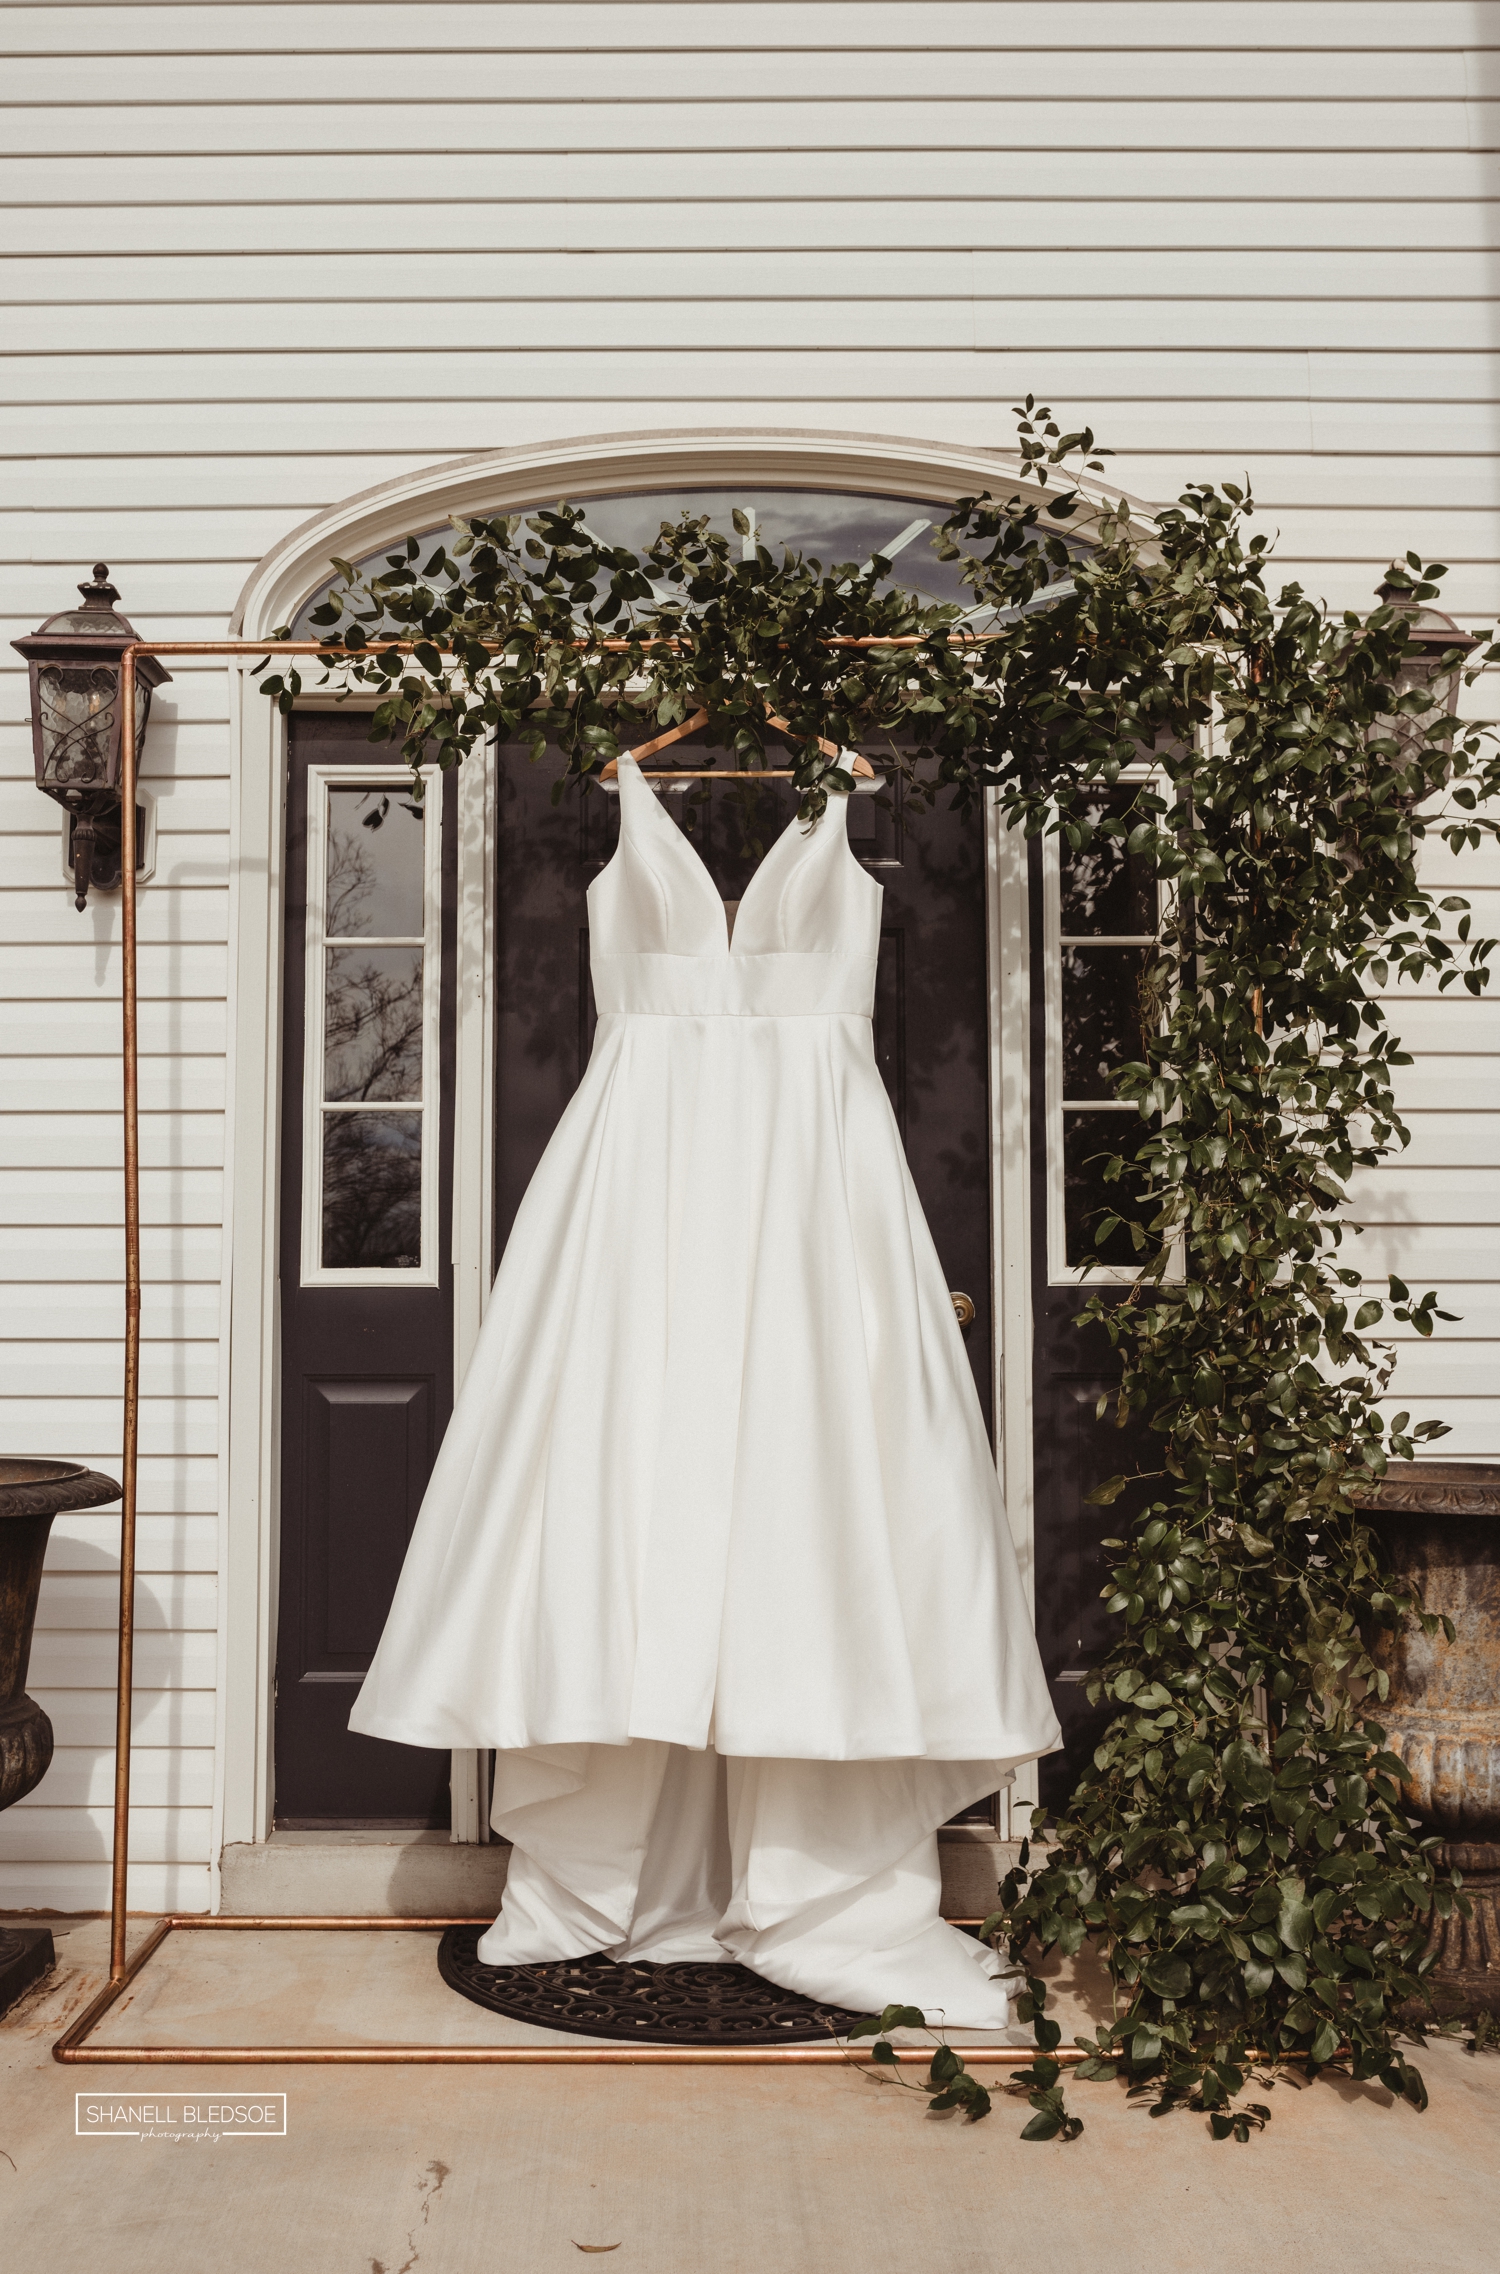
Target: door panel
<point>366,1273</point>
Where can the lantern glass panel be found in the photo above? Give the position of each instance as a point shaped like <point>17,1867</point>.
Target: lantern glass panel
<point>76,703</point>
<point>78,708</point>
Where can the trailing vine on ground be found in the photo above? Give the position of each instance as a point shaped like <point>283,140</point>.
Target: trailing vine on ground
<point>1238,1848</point>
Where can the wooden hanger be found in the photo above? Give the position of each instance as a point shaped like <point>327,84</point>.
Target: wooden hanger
<point>610,771</point>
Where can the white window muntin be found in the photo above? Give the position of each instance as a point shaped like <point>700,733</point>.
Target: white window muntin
<point>315,1107</point>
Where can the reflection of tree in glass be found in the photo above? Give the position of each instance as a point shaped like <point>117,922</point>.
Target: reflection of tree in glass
<point>374,884</point>
<point>351,879</point>
<point>372,1191</point>
<point>373,1023</point>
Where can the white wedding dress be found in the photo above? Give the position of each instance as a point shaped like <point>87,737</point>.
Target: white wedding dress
<point>713,1553</point>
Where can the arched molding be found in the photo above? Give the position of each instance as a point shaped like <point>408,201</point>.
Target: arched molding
<point>600,465</point>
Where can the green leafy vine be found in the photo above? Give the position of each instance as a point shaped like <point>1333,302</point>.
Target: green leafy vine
<point>1238,1849</point>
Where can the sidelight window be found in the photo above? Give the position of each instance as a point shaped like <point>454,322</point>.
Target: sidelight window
<point>370,1166</point>
<point>1101,917</point>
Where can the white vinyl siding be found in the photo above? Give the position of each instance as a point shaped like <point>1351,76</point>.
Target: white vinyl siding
<point>62,1302</point>
<point>1253,236</point>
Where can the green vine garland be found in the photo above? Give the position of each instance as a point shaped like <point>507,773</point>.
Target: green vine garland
<point>1238,1850</point>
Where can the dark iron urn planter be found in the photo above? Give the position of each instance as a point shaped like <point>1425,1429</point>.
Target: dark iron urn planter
<point>1440,1521</point>
<point>31,1494</point>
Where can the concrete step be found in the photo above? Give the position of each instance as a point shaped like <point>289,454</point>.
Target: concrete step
<point>425,1875</point>
<point>362,1875</point>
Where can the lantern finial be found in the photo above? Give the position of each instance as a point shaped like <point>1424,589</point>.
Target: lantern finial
<point>101,593</point>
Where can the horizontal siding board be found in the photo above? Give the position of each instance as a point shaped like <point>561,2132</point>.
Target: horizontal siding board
<point>165,1602</point>
<point>1422,82</point>
<point>158,1716</point>
<point>1427,1254</point>
<point>91,1027</point>
<point>1102,370</point>
<point>84,1888</point>
<point>776,128</point>
<point>1473,1427</point>
<point>84,1140</point>
<point>80,1776</point>
<point>70,237</point>
<point>89,1540</point>
<point>1457,1026</point>
<point>75,1249</point>
<point>45,916</point>
<point>313,179</point>
<point>1405,1192</point>
<point>169,1425</point>
<point>84,1313</point>
<point>749,25</point>
<point>1400,1194</point>
<point>50,1195</point>
<point>1191,410</point>
<point>1443,1374</point>
<point>39,1369</point>
<point>211,435</point>
<point>790,270</point>
<point>342,329</point>
<point>155,535</point>
<point>44,1086</point>
<point>84,1659</point>
<point>70,491</point>
<point>84,971</point>
<point>37,1833</point>
<point>1452,1140</point>
<point>1447,1085</point>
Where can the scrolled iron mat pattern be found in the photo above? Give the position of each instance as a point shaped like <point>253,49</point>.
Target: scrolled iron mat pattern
<point>642,2003</point>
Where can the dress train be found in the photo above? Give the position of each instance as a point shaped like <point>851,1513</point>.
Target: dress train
<point>804,1871</point>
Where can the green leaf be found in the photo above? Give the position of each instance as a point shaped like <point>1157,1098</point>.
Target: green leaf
<point>1104,1495</point>
<point>1247,1771</point>
<point>1170,1977</point>
<point>1294,1922</point>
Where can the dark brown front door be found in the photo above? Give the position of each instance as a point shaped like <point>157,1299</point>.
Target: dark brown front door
<point>366,1274</point>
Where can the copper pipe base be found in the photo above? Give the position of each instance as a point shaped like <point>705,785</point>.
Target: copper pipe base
<point>73,2046</point>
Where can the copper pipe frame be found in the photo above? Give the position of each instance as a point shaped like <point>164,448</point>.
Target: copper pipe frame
<point>73,2046</point>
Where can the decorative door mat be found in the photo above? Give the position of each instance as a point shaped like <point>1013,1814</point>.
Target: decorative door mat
<point>651,2005</point>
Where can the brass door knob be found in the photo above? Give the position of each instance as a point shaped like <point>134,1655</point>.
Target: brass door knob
<point>963,1307</point>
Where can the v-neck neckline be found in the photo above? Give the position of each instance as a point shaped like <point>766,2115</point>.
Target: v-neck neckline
<point>701,865</point>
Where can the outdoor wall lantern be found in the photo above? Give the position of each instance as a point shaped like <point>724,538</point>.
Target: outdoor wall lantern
<point>74,662</point>
<point>1430,636</point>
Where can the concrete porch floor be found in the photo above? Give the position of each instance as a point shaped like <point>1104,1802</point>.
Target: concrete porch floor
<point>694,2171</point>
